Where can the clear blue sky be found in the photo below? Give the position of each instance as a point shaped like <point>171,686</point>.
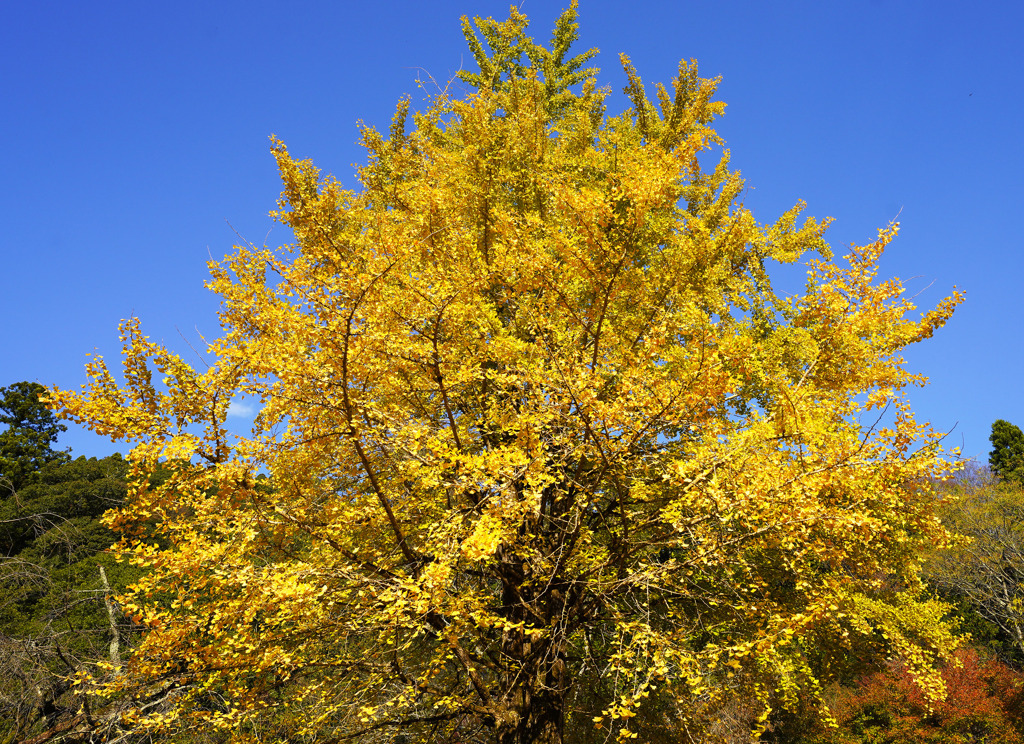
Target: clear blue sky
<point>135,142</point>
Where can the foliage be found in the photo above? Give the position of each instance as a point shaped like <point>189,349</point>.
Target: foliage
<point>982,633</point>
<point>54,618</point>
<point>984,703</point>
<point>32,429</point>
<point>548,458</point>
<point>509,44</point>
<point>1007,456</point>
<point>986,570</point>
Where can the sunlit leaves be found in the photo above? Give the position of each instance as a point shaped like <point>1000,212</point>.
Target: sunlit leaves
<point>545,451</point>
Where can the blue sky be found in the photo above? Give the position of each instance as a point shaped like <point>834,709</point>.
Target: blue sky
<point>136,146</point>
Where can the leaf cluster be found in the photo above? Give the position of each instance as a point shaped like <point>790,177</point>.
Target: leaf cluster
<point>511,56</point>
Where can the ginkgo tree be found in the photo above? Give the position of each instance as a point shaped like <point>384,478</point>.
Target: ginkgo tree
<point>540,452</point>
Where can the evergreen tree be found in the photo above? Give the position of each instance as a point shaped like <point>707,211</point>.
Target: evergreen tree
<point>32,430</point>
<point>1007,456</point>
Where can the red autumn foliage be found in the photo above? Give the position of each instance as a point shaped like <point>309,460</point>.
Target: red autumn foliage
<point>984,704</point>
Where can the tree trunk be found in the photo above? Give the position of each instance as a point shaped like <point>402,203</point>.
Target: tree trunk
<point>535,688</point>
<point>538,709</point>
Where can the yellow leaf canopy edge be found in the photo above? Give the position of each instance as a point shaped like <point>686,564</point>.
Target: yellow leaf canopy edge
<point>539,451</point>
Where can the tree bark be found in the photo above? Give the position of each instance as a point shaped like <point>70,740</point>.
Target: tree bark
<point>535,683</point>
<point>538,708</point>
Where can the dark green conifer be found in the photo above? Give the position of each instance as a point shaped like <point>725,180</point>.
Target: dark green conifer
<point>1007,456</point>
<point>27,443</point>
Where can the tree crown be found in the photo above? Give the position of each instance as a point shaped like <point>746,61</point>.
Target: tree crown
<point>546,451</point>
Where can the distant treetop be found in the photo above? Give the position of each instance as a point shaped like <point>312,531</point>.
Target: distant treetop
<point>32,430</point>
<point>1007,456</point>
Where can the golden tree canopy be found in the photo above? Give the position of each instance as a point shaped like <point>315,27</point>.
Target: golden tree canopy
<point>546,456</point>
